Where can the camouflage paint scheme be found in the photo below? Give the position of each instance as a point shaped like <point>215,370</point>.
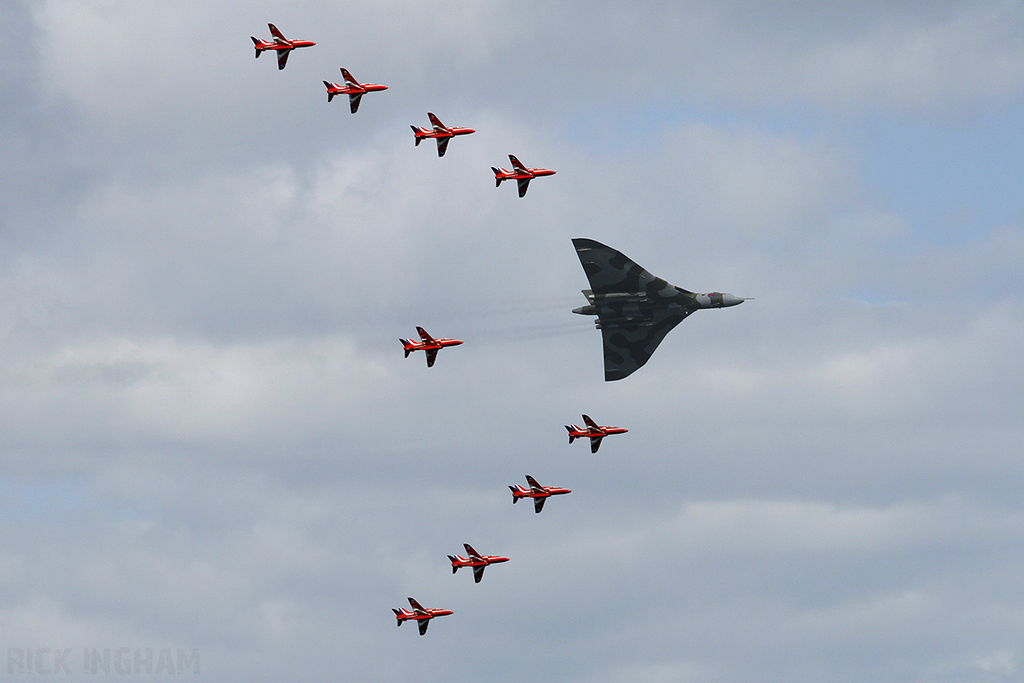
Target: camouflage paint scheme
<point>634,309</point>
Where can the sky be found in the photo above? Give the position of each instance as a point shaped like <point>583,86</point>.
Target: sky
<point>212,445</point>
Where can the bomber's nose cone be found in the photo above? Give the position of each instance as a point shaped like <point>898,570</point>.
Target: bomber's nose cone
<point>731,300</point>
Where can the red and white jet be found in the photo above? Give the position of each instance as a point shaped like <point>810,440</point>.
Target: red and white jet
<point>593,431</point>
<point>420,614</point>
<point>475,560</point>
<point>281,44</point>
<point>428,344</point>
<point>537,492</point>
<point>353,88</point>
<point>440,131</point>
<point>520,173</point>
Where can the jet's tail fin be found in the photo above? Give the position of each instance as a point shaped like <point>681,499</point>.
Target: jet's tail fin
<point>515,494</point>
<point>398,615</point>
<point>405,346</point>
<point>330,95</point>
<point>256,41</point>
<point>455,567</point>
<point>416,131</point>
<point>572,438</point>
<point>497,177</point>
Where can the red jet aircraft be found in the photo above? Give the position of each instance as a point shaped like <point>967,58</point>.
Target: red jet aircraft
<point>429,344</point>
<point>441,132</point>
<point>537,492</point>
<point>281,44</point>
<point>419,614</point>
<point>593,431</point>
<point>520,173</point>
<point>353,88</point>
<point>475,560</point>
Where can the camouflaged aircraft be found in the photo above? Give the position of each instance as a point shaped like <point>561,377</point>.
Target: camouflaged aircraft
<point>634,309</point>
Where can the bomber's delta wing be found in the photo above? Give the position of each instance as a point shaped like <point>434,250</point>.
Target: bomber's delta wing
<point>635,309</point>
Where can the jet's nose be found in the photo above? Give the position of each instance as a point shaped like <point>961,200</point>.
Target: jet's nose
<point>731,300</point>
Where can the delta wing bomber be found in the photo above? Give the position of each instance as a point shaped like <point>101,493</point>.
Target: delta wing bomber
<point>634,309</point>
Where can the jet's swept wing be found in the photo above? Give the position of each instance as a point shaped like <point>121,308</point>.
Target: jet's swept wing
<point>524,185</point>
<point>277,34</point>
<point>424,623</point>
<point>442,146</point>
<point>533,483</point>
<point>425,336</point>
<point>436,123</point>
<point>282,58</point>
<point>431,357</point>
<point>538,503</point>
<point>627,349</point>
<point>595,443</point>
<point>478,572</point>
<point>348,78</point>
<point>635,309</point>
<point>353,101</point>
<point>590,422</point>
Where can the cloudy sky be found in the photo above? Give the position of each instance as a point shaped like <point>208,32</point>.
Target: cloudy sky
<point>211,442</point>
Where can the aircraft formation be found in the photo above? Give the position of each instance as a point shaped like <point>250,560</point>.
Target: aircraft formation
<point>634,309</point>
<point>355,91</point>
